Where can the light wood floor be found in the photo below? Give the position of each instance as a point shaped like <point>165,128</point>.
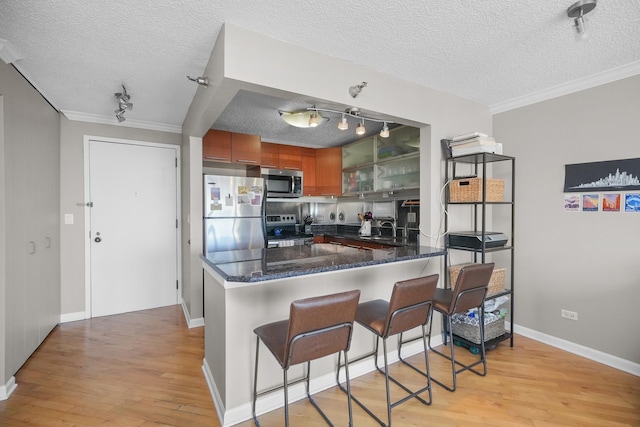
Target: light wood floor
<point>144,369</point>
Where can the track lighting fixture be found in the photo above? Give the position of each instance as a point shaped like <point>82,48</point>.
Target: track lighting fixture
<point>354,91</point>
<point>311,118</point>
<point>202,81</point>
<point>123,104</point>
<point>577,12</point>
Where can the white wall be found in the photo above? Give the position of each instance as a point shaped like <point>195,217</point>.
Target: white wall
<point>585,262</point>
<point>73,237</point>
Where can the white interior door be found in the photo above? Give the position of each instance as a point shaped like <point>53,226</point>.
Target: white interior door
<point>133,227</point>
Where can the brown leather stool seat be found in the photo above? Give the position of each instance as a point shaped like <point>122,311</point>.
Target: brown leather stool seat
<point>409,307</point>
<point>468,292</point>
<point>316,327</point>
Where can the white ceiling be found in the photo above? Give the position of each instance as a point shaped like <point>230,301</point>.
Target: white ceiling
<point>78,52</point>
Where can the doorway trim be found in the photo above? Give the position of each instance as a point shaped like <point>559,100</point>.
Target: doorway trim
<point>87,213</point>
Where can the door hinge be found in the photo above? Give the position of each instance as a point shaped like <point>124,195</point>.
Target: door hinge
<point>176,284</point>
<point>176,223</point>
<point>176,162</point>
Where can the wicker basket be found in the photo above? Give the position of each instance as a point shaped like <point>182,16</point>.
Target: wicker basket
<point>496,283</point>
<point>470,190</point>
<point>462,326</point>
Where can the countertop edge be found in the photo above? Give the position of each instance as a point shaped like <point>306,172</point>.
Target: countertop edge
<point>432,252</point>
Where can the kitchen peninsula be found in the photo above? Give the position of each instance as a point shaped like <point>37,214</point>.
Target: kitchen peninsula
<point>245,289</point>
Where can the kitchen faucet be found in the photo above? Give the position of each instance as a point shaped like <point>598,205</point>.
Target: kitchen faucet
<point>390,221</point>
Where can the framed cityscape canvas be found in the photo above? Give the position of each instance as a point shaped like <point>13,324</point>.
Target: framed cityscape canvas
<point>613,175</point>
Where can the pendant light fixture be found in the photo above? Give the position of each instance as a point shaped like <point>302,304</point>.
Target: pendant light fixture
<point>360,129</point>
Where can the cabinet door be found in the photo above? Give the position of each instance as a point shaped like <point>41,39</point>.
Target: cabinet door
<point>402,141</point>
<point>216,146</point>
<point>329,171</point>
<point>270,155</point>
<point>358,153</point>
<point>245,149</point>
<point>309,170</point>
<point>290,157</point>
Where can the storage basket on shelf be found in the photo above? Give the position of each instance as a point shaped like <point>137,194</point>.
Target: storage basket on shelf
<point>466,327</point>
<point>470,190</point>
<point>496,283</point>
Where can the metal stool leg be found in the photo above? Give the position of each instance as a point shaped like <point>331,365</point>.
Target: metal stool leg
<point>451,356</point>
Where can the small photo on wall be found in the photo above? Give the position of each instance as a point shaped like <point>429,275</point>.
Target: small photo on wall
<point>590,202</point>
<point>632,202</point>
<point>571,203</point>
<point>611,202</point>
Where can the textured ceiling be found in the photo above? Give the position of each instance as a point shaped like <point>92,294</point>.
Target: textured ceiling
<point>78,52</point>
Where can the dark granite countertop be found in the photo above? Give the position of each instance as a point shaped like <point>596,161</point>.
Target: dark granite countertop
<point>385,240</point>
<point>258,265</point>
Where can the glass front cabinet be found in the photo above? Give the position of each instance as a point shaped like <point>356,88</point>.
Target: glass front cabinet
<point>382,164</point>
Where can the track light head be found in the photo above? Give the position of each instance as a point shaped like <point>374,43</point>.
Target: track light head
<point>343,124</point>
<point>384,133</point>
<point>315,119</point>
<point>123,104</point>
<point>360,129</point>
<point>354,91</point>
<point>577,12</point>
<point>202,81</point>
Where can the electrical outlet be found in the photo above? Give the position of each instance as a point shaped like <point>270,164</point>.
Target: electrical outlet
<point>569,314</point>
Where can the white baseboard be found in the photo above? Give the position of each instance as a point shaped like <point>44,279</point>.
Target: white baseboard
<point>191,323</point>
<point>273,401</point>
<point>73,317</point>
<point>586,352</point>
<point>8,388</point>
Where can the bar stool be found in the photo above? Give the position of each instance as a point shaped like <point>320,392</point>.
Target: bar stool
<point>316,327</point>
<point>469,292</point>
<point>409,307</point>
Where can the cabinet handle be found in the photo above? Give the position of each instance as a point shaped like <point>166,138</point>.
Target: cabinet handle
<point>215,158</point>
<point>291,168</point>
<point>336,243</point>
<point>270,166</point>
<point>354,246</point>
<point>246,161</point>
<point>32,247</point>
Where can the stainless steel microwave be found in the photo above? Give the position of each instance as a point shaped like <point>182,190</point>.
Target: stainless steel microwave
<point>283,182</point>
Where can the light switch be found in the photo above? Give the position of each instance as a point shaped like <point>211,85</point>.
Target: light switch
<point>68,219</point>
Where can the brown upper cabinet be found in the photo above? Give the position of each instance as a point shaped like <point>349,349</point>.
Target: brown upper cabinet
<point>230,147</point>
<point>328,176</point>
<point>308,158</point>
<point>290,157</point>
<point>245,149</point>
<point>270,155</point>
<point>216,146</point>
<point>280,156</point>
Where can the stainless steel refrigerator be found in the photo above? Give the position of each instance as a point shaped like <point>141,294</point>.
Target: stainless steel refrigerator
<point>233,213</point>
